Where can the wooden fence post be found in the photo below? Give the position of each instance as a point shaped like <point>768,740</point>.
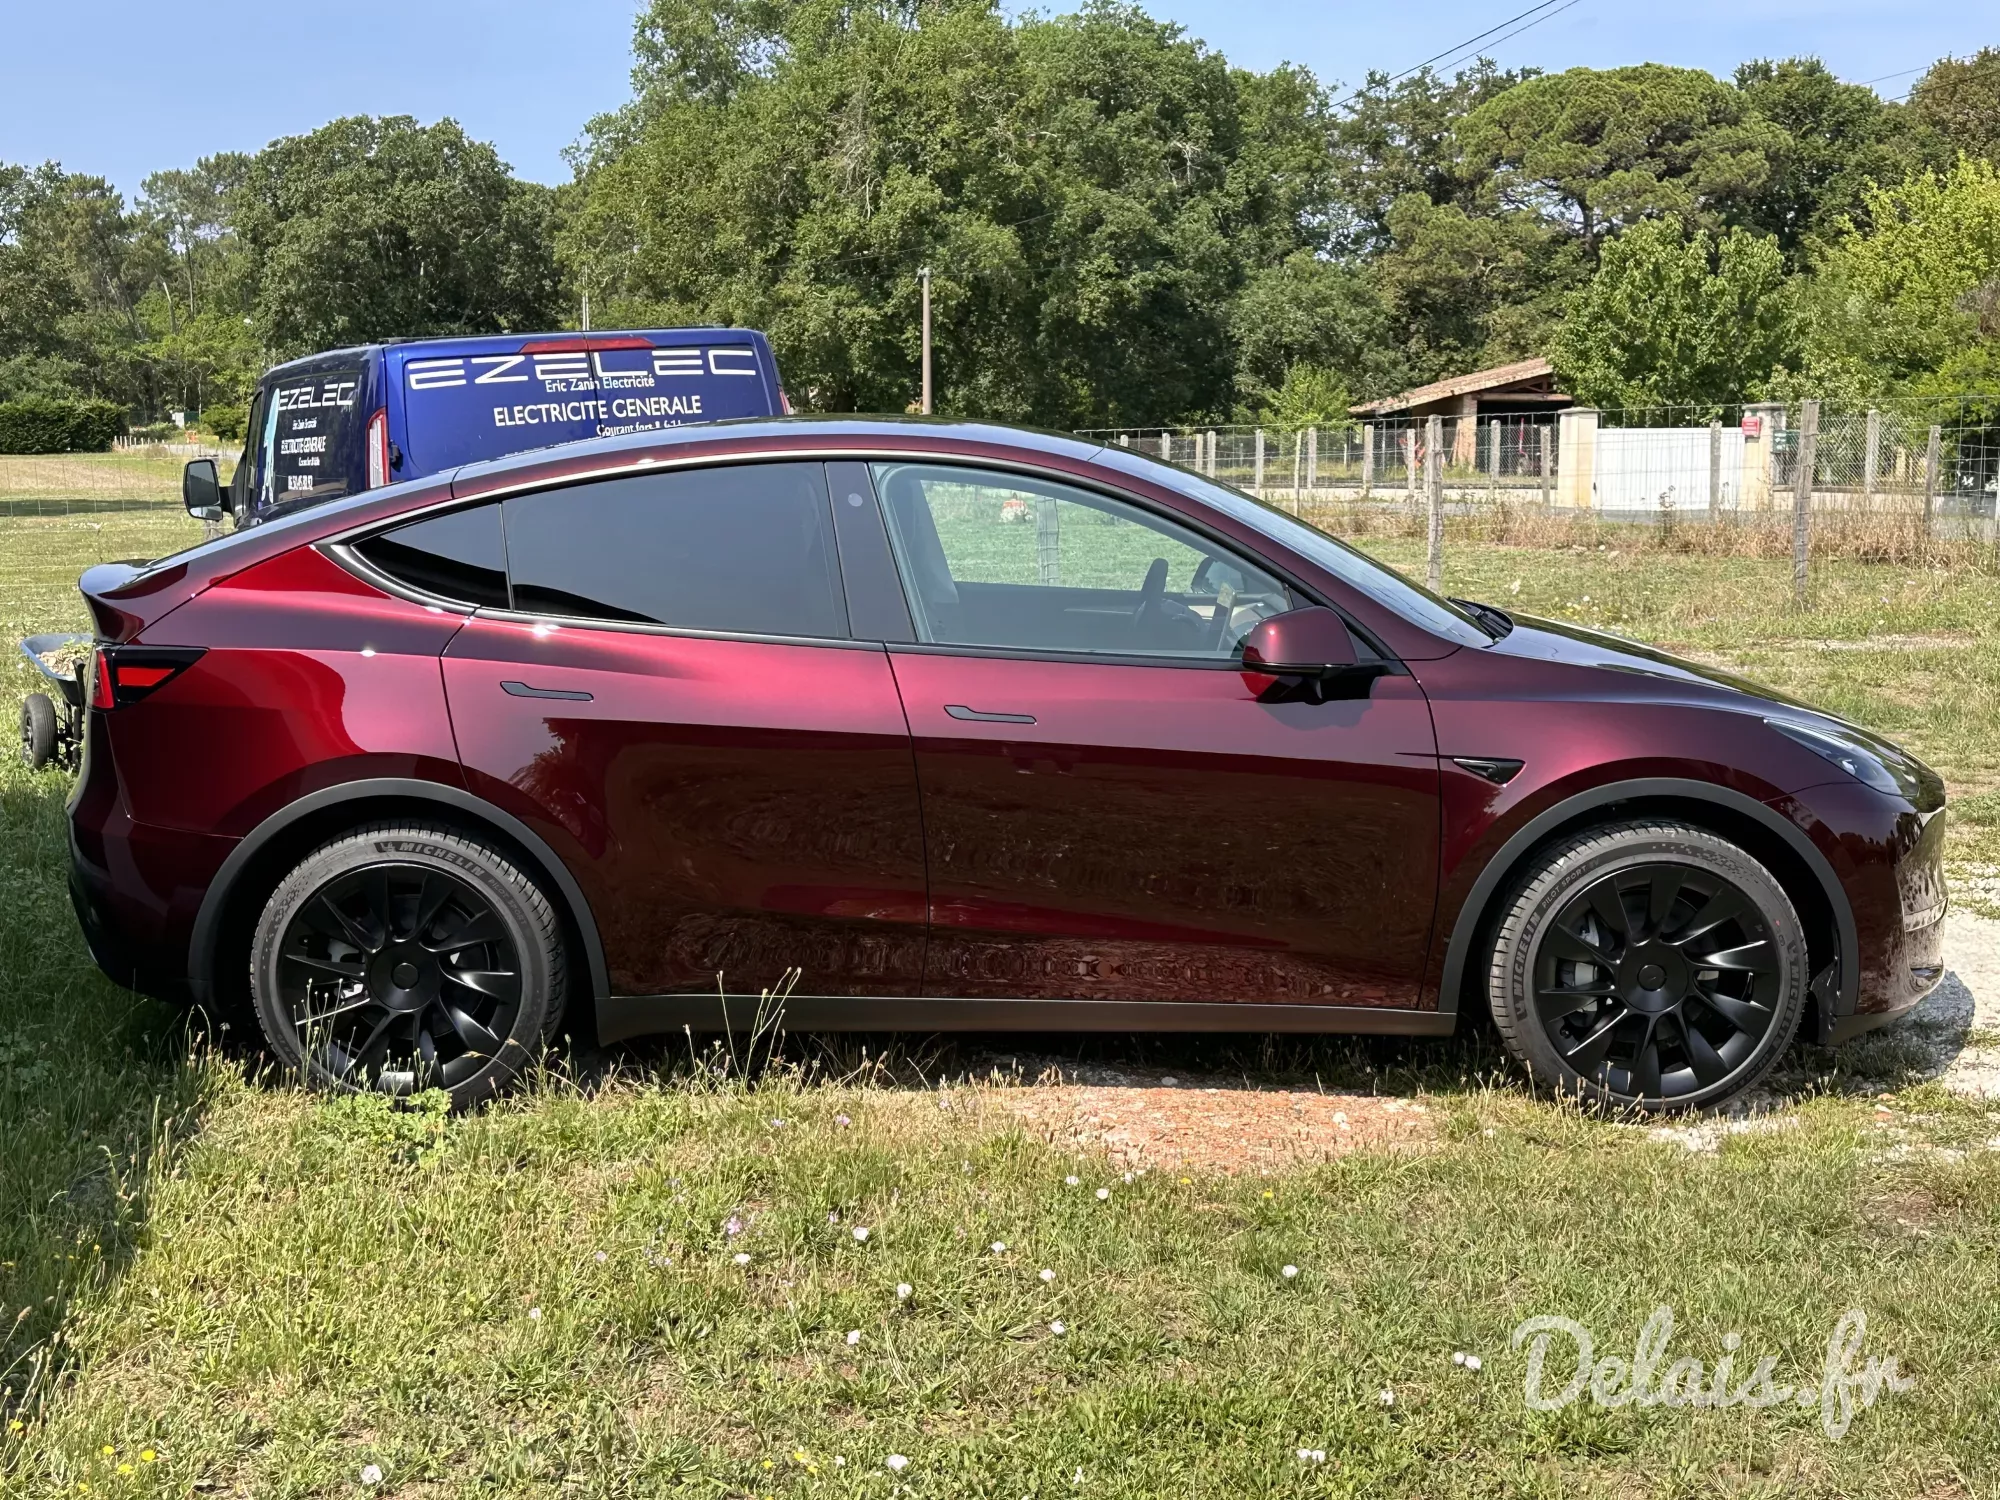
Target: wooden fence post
<point>1806,459</point>
<point>1367,458</point>
<point>1410,462</point>
<point>1211,456</point>
<point>1434,481</point>
<point>1167,446</point>
<point>1931,456</point>
<point>1714,471</point>
<point>1257,483</point>
<point>1312,458</point>
<point>1542,435</point>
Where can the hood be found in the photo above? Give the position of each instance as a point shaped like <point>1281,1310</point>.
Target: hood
<point>1578,646</point>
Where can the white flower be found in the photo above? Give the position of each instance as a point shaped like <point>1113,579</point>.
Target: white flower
<point>1102,1194</point>
<point>371,1474</point>
<point>861,1233</point>
<point>999,1247</point>
<point>1472,1361</point>
<point>903,1290</point>
<point>839,1462</point>
<point>741,1257</point>
<point>1047,1274</point>
<point>1312,1455</point>
<point>1128,1179</point>
<point>1070,1181</point>
<point>732,1226</point>
<point>1386,1396</point>
<point>843,1122</point>
<point>602,1257</point>
<point>777,1124</point>
<point>853,1337</point>
<point>897,1463</point>
<point>1077,1477</point>
<point>1289,1272</point>
<point>1458,1356</point>
<point>1058,1328</point>
<point>534,1315</point>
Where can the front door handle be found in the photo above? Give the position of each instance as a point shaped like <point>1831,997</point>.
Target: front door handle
<point>522,690</point>
<point>960,711</point>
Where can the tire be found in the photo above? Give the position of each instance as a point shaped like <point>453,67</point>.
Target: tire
<point>38,730</point>
<point>402,957</point>
<point>1598,981</point>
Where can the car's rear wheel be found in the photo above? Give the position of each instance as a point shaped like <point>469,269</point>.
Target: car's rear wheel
<point>1648,965</point>
<point>402,957</point>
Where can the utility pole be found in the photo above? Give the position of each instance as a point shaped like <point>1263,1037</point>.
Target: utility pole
<point>925,276</point>
<point>1807,460</point>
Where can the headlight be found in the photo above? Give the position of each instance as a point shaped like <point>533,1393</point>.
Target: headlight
<point>1853,753</point>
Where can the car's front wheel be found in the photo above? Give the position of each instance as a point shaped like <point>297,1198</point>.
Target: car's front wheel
<point>1648,965</point>
<point>403,957</point>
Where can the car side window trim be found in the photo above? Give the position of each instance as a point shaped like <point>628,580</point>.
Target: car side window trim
<point>642,627</point>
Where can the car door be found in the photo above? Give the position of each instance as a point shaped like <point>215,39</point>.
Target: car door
<point>1110,810</point>
<point>673,698</point>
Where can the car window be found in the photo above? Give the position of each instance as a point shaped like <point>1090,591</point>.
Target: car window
<point>994,559</point>
<point>310,431</point>
<point>457,556</point>
<point>744,549</point>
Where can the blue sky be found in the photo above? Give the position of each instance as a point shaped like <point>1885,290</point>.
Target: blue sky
<point>113,87</point>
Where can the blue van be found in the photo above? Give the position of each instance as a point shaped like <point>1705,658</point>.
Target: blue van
<point>354,419</point>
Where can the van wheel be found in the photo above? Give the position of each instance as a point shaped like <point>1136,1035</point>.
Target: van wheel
<point>401,958</point>
<point>1650,966</point>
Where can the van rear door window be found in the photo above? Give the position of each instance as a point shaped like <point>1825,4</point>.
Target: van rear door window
<point>311,432</point>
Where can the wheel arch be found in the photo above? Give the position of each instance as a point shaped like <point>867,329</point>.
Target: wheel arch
<point>228,912</point>
<point>1779,844</point>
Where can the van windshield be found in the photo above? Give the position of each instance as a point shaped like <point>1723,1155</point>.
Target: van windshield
<point>311,431</point>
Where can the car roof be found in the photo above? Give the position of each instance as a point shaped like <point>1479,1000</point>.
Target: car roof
<point>663,337</point>
<point>748,432</point>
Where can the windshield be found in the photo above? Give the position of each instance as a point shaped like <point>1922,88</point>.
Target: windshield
<point>1378,581</point>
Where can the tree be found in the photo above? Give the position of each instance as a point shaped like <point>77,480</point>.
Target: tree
<point>1957,102</point>
<point>1396,137</point>
<point>1592,152</point>
<point>1091,191</point>
<point>1911,301</point>
<point>382,228</point>
<point>1672,319</point>
<point>1309,314</point>
<point>1839,139</point>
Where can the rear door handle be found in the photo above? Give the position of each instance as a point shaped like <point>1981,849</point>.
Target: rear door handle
<point>960,711</point>
<point>522,690</point>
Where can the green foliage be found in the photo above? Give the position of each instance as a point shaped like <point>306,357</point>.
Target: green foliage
<point>226,420</point>
<point>1957,105</point>
<point>1092,190</point>
<point>1839,139</point>
<point>1594,151</point>
<point>36,424</point>
<point>1311,396</point>
<point>1674,319</point>
<point>383,228</point>
<point>1910,302</point>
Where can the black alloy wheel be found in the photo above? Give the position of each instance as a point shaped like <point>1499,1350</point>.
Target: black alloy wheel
<point>404,959</point>
<point>1650,965</point>
<point>1657,980</point>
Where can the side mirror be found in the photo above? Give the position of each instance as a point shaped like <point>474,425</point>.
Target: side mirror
<point>1305,654</point>
<point>201,490</point>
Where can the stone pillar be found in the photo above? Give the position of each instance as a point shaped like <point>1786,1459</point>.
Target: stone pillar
<point>1762,422</point>
<point>1576,458</point>
<point>1465,434</point>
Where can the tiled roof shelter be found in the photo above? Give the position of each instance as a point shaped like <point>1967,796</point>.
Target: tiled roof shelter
<point>1526,385</point>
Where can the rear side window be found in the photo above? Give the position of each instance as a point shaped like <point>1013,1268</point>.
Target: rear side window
<point>744,549</point>
<point>458,556</point>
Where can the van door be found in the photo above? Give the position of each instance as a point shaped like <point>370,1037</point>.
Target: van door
<point>310,432</point>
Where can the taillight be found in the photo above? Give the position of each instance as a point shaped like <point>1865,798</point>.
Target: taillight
<point>784,402</point>
<point>378,449</point>
<point>122,675</point>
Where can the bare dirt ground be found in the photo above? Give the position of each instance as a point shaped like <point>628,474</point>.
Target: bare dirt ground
<point>1154,1119</point>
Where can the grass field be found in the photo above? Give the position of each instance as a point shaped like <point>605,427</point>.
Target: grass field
<point>211,1284</point>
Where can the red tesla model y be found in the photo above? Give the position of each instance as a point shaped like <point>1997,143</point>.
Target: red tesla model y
<point>976,728</point>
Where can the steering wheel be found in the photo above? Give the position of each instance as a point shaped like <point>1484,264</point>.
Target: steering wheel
<point>1151,593</point>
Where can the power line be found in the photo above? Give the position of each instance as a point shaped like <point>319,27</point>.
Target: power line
<point>1887,76</point>
<point>1459,47</point>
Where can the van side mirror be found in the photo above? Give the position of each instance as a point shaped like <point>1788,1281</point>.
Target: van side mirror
<point>1305,654</point>
<point>201,490</point>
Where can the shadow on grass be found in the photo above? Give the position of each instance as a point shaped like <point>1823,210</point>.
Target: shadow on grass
<point>99,1091</point>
